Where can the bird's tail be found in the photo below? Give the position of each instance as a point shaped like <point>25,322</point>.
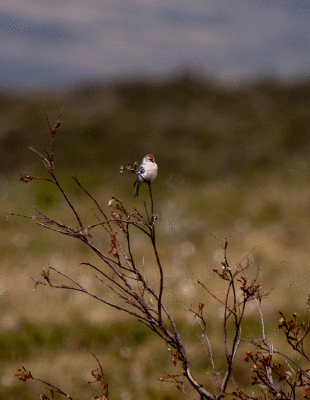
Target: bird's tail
<point>138,184</point>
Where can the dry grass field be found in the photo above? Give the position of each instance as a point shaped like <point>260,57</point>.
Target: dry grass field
<point>233,162</point>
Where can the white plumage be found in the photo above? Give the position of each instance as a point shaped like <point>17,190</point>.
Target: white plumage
<point>146,172</point>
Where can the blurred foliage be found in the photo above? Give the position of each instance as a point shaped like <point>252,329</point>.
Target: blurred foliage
<point>32,338</point>
<point>232,158</point>
<point>196,127</point>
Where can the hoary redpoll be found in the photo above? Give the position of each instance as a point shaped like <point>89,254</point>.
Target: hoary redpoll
<point>147,172</point>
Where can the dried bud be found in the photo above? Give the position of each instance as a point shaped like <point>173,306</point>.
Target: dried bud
<point>44,397</point>
<point>110,202</point>
<point>281,320</point>
<point>46,274</point>
<point>249,356</point>
<point>288,374</point>
<point>55,127</point>
<point>26,177</point>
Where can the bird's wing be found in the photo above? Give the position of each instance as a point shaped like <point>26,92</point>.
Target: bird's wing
<point>139,174</point>
<point>140,171</point>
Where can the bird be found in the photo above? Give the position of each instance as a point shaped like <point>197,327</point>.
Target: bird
<point>146,172</point>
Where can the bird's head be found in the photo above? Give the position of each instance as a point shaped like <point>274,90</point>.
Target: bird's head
<point>149,157</point>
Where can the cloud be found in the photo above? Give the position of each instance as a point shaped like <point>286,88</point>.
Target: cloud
<point>52,40</point>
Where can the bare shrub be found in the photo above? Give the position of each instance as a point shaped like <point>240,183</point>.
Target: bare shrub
<point>118,271</point>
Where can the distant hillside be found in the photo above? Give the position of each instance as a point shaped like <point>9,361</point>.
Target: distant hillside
<point>195,127</point>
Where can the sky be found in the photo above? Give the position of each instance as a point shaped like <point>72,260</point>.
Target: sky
<point>49,42</point>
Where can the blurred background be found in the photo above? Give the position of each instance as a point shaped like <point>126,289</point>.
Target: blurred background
<point>219,93</point>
